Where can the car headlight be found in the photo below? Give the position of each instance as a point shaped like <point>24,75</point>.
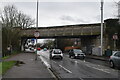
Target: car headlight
<point>53,54</point>
<point>61,54</point>
<point>75,54</point>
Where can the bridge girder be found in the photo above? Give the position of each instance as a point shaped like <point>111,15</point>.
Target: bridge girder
<point>63,31</point>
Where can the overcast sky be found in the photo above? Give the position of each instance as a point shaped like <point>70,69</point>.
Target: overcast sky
<point>65,12</point>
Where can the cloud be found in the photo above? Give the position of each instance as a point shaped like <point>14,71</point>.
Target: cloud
<point>71,19</point>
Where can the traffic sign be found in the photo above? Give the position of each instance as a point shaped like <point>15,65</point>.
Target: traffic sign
<point>36,34</point>
<point>32,40</point>
<point>115,37</point>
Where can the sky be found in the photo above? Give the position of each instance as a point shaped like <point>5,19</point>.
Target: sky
<point>65,12</point>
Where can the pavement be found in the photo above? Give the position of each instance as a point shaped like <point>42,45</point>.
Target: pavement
<point>103,58</point>
<point>29,69</point>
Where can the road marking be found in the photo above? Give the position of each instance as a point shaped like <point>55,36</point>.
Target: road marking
<point>54,62</point>
<point>76,61</point>
<point>65,69</point>
<point>103,70</point>
<point>45,62</point>
<point>81,79</point>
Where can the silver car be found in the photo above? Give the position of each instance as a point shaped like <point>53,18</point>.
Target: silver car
<point>115,60</point>
<point>56,53</point>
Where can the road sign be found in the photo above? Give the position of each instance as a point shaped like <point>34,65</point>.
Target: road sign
<point>115,37</point>
<point>36,34</point>
<point>32,40</point>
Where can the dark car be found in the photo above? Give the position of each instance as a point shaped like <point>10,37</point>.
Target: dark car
<point>76,53</point>
<point>115,60</point>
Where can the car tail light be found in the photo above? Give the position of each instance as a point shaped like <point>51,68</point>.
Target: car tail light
<point>110,57</point>
<point>38,49</point>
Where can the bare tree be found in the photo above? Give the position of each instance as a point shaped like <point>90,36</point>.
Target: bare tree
<point>24,20</point>
<point>11,17</point>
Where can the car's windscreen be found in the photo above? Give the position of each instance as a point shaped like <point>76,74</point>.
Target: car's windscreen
<point>77,51</point>
<point>57,51</point>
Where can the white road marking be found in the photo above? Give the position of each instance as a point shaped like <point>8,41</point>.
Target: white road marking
<point>65,69</point>
<point>81,79</point>
<point>31,59</point>
<point>76,61</point>
<point>54,62</point>
<point>45,62</point>
<point>84,61</point>
<point>103,70</point>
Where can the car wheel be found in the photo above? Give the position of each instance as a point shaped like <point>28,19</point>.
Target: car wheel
<point>61,58</point>
<point>83,57</point>
<point>111,64</point>
<point>51,57</point>
<point>69,56</point>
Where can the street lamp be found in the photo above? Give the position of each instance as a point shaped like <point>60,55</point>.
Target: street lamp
<point>102,27</point>
<point>36,33</point>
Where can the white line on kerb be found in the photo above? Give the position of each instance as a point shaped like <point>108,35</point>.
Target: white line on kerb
<point>65,69</point>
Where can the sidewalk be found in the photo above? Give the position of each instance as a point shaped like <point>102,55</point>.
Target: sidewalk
<point>31,68</point>
<point>103,58</point>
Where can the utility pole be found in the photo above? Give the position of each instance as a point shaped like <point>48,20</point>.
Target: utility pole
<point>101,27</point>
<point>36,27</point>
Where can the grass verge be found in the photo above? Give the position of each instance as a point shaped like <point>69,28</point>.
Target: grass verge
<point>5,65</point>
<point>12,54</point>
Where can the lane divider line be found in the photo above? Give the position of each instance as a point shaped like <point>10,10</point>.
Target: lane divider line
<point>65,69</point>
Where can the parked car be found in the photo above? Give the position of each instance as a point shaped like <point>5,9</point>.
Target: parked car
<point>56,53</point>
<point>115,60</point>
<point>76,53</point>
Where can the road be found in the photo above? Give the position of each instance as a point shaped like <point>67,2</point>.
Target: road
<point>78,69</point>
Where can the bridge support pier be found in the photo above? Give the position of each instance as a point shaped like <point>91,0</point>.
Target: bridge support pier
<point>23,41</point>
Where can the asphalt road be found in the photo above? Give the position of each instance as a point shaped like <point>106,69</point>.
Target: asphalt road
<point>79,69</point>
<point>99,62</point>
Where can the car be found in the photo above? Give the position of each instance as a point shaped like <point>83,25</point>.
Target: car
<point>45,49</point>
<point>38,51</point>
<point>115,60</point>
<point>56,53</point>
<point>76,53</point>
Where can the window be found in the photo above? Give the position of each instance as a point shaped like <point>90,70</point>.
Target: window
<point>117,54</point>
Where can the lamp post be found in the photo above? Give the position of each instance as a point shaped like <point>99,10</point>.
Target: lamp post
<point>101,27</point>
<point>36,33</point>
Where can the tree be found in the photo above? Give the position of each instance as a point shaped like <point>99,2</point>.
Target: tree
<point>48,43</point>
<point>62,43</point>
<point>11,18</point>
